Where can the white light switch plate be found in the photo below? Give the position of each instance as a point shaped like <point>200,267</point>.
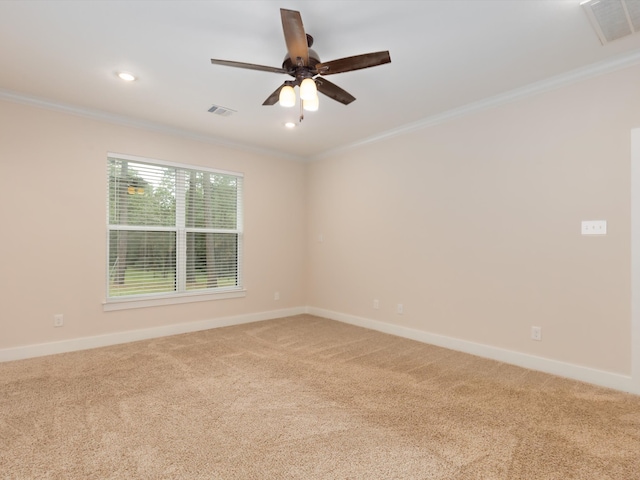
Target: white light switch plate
<point>594,227</point>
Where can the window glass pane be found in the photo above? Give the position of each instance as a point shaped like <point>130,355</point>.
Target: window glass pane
<point>141,194</point>
<point>211,260</point>
<point>211,200</point>
<point>141,262</point>
<point>172,228</point>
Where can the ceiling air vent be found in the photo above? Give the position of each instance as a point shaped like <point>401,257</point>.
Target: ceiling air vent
<point>613,19</point>
<point>222,111</point>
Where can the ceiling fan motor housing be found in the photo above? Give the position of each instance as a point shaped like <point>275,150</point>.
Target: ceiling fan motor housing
<point>291,66</point>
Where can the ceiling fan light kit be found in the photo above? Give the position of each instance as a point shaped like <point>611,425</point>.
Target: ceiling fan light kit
<point>304,65</point>
<point>287,97</point>
<point>311,104</point>
<point>308,89</point>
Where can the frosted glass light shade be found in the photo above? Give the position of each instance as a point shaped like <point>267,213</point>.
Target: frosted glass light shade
<point>308,89</point>
<point>287,96</point>
<point>311,105</point>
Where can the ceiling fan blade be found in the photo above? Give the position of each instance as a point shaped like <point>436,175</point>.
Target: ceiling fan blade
<point>331,90</point>
<point>250,66</point>
<point>356,62</point>
<point>274,97</point>
<point>294,36</point>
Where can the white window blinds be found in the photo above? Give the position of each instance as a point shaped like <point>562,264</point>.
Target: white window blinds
<point>172,229</point>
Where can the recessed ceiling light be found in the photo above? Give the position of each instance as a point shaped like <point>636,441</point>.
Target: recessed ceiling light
<point>290,125</point>
<point>126,76</point>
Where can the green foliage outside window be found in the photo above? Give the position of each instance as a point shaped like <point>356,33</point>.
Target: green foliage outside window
<point>171,229</point>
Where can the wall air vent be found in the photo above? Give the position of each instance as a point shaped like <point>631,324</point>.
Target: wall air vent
<point>613,19</point>
<point>222,111</point>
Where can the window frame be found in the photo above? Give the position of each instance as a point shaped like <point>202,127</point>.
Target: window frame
<point>186,296</point>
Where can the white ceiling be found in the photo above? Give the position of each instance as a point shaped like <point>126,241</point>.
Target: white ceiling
<point>445,55</point>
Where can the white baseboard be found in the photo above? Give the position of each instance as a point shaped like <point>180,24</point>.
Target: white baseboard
<point>585,374</point>
<point>576,372</point>
<point>84,343</point>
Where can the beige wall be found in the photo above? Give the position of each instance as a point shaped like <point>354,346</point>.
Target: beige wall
<point>474,225</point>
<point>53,197</point>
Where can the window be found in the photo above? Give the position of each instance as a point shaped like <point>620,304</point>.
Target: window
<point>173,230</point>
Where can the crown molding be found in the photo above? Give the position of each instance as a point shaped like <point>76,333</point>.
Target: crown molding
<point>132,122</point>
<point>618,63</point>
<point>553,83</point>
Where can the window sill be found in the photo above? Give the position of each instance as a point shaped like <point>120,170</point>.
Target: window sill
<point>142,302</point>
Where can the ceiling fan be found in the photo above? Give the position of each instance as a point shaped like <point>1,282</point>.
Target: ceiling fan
<point>304,65</point>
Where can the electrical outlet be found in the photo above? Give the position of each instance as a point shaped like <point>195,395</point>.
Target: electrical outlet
<point>276,296</point>
<point>376,304</point>
<point>58,320</point>
<point>536,333</point>
<point>594,227</point>
<point>400,309</point>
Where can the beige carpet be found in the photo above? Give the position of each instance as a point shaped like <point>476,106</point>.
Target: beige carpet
<point>305,398</point>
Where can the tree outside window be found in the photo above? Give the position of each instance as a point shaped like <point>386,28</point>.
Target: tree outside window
<point>172,229</point>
